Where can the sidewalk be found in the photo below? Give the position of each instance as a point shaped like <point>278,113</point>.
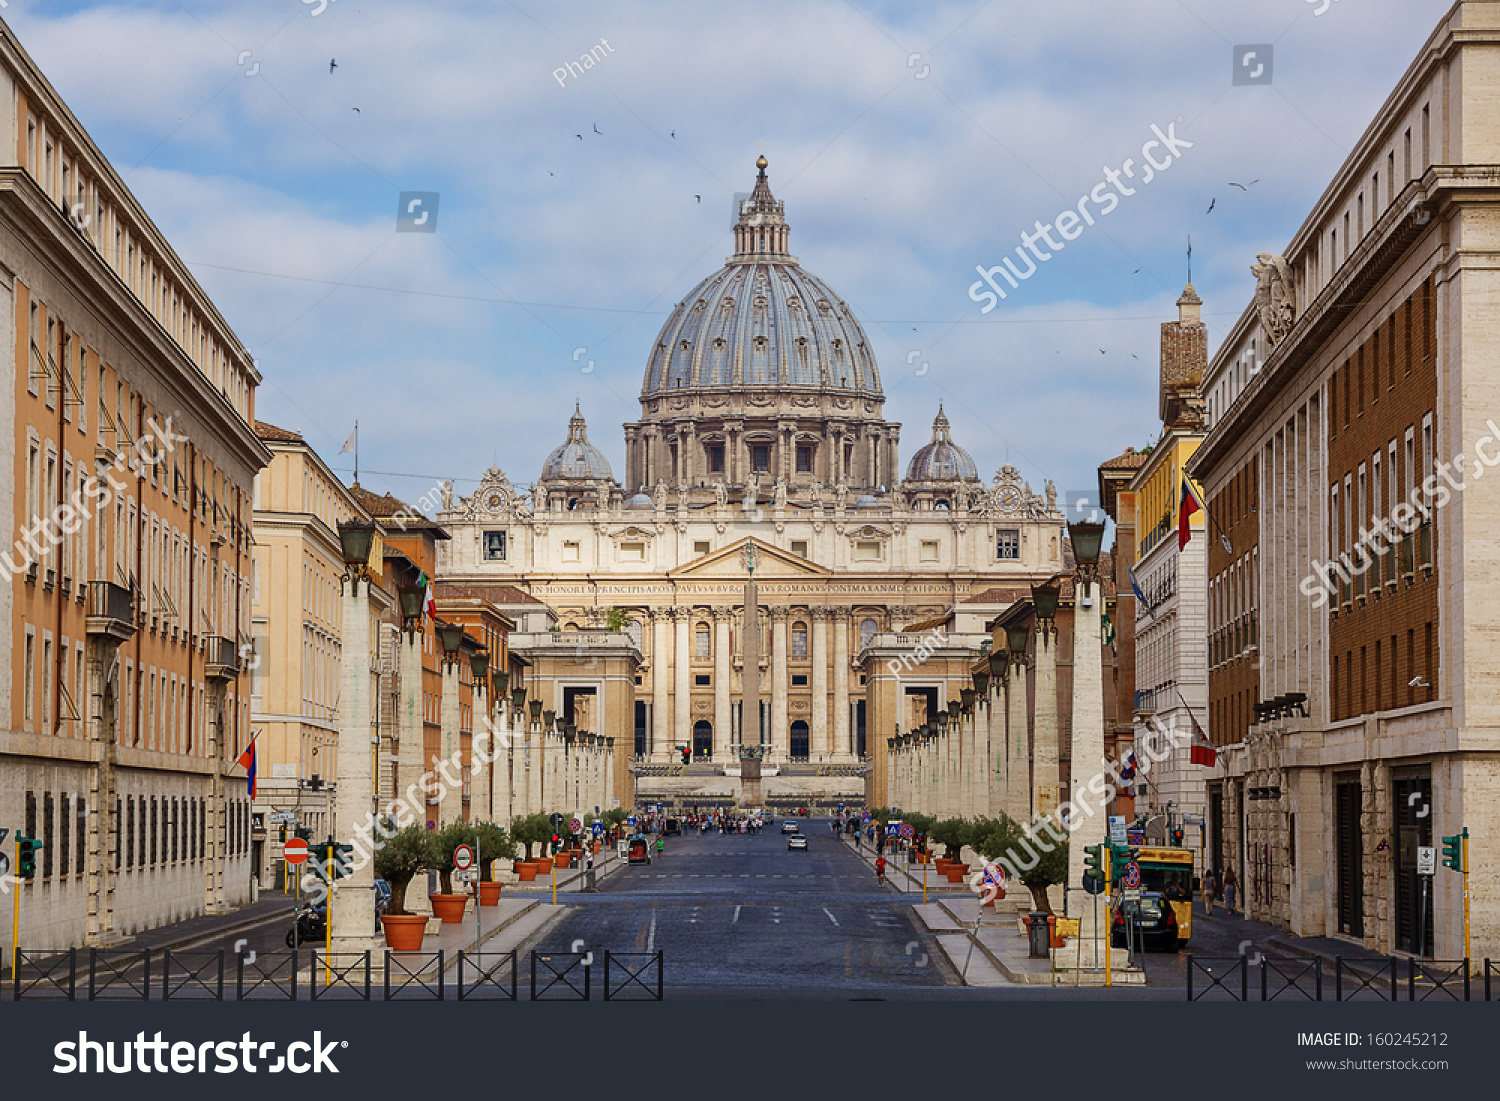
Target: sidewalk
<point>183,935</point>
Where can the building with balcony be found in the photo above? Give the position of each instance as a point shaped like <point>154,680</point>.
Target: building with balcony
<point>124,587</point>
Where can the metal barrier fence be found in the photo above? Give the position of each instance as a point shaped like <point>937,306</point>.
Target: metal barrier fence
<point>97,974</point>
<point>625,980</point>
<point>1292,978</point>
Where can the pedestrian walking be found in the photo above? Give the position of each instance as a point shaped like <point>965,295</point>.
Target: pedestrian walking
<point>880,870</point>
<point>1231,885</point>
<point>661,848</point>
<point>1210,886</point>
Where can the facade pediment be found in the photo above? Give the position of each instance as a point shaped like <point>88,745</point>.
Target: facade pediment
<point>772,562</point>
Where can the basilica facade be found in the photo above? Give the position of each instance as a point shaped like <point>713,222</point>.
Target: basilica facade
<point>761,422</point>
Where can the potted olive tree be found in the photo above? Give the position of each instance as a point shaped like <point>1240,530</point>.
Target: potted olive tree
<point>494,844</point>
<point>953,834</point>
<point>529,830</point>
<point>447,906</point>
<point>398,860</point>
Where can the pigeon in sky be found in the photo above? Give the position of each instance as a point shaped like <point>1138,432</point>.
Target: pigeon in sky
<point>1211,203</point>
<point>333,64</point>
<point>674,135</point>
<point>1244,187</point>
<point>357,111</point>
<point>597,130</point>
<point>578,136</point>
<point>698,197</point>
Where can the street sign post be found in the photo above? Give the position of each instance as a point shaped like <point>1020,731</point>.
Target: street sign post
<point>1117,834</point>
<point>463,858</point>
<point>598,828</point>
<point>294,851</point>
<point>1426,860</point>
<point>575,824</point>
<point>1132,878</point>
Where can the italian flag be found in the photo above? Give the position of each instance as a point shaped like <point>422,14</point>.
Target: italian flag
<point>1191,503</point>
<point>426,583</point>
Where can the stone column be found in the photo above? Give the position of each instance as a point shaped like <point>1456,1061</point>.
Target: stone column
<point>723,614</point>
<point>843,732</point>
<point>450,794</point>
<point>682,722</point>
<point>1087,740</point>
<point>501,749</point>
<point>411,758</point>
<point>215,819</point>
<point>1017,745</point>
<point>1045,776</point>
<point>103,822</point>
<point>661,664</point>
<point>352,905</point>
<point>818,732</point>
<point>779,732</point>
<point>536,765</point>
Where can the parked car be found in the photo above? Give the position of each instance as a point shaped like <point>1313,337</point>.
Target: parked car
<point>796,841</point>
<point>382,897</point>
<point>1155,924</point>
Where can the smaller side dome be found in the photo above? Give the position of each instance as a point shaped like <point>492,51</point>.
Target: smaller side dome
<point>942,460</point>
<point>641,501</point>
<point>576,459</point>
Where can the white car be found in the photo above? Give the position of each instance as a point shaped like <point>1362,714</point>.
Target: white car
<point>796,841</point>
<point>789,827</point>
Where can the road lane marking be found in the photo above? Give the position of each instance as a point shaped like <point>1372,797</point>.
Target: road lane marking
<point>651,935</point>
<point>830,916</point>
<point>736,919</point>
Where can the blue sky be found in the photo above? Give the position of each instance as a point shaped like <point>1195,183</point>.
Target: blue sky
<point>455,350</point>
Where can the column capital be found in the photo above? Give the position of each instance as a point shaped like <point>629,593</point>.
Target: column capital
<point>724,613</point>
<point>778,613</point>
<point>821,614</point>
<point>682,613</point>
<point>839,611</point>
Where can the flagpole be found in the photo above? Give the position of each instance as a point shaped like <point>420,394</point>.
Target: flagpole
<point>356,454</point>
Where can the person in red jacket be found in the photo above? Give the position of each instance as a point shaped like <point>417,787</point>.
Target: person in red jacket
<point>880,870</point>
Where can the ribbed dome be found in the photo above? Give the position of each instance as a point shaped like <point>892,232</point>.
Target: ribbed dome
<point>576,458</point>
<point>762,320</point>
<point>942,460</point>
<point>640,501</point>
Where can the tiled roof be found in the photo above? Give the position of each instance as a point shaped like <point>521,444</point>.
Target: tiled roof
<point>1131,459</point>
<point>383,506</point>
<point>494,592</point>
<point>1002,597</point>
<point>276,435</point>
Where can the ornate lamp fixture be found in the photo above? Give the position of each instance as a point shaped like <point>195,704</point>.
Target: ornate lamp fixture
<point>536,710</point>
<point>412,598</point>
<point>356,539</point>
<point>1088,540</point>
<point>518,699</point>
<point>1044,598</point>
<point>500,679</point>
<point>966,695</point>
<point>451,635</point>
<point>479,662</point>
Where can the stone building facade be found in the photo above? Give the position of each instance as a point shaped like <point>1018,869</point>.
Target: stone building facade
<point>1351,672</point>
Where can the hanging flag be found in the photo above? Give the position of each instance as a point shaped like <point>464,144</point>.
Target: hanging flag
<point>431,602</point>
<point>352,442</point>
<point>1190,504</point>
<point>1202,751</point>
<point>1136,588</point>
<point>247,762</point>
<point>1109,631</point>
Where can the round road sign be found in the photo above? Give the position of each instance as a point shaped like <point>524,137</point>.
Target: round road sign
<point>294,851</point>
<point>575,824</point>
<point>463,858</point>
<point>1132,878</point>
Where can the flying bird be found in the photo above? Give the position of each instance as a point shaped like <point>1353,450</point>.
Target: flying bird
<point>1244,187</point>
<point>1211,203</point>
<point>1101,351</point>
<point>698,197</point>
<point>578,136</point>
<point>357,111</point>
<point>674,135</point>
<point>597,130</point>
<point>1136,272</point>
<point>333,64</point>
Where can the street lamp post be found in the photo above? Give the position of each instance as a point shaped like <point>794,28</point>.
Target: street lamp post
<point>1088,691</point>
<point>1018,790</point>
<point>1045,599</point>
<point>450,795</point>
<point>351,903</point>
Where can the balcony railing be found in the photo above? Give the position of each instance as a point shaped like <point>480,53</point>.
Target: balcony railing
<point>111,610</point>
<point>220,658</point>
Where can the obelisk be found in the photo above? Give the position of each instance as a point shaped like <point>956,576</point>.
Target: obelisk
<point>750,747</point>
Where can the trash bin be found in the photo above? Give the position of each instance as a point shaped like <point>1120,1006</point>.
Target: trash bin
<point>1039,934</point>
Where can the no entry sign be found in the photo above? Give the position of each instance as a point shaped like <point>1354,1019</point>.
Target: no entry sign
<point>463,858</point>
<point>294,851</point>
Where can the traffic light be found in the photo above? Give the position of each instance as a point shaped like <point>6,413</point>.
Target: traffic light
<point>1453,851</point>
<point>687,755</point>
<point>342,857</point>
<point>1120,857</point>
<point>26,848</point>
<point>1177,837</point>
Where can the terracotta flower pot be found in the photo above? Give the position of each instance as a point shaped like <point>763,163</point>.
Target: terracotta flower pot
<point>448,909</point>
<point>489,894</point>
<point>525,872</point>
<point>543,865</point>
<point>955,873</point>
<point>403,932</point>
<point>563,859</point>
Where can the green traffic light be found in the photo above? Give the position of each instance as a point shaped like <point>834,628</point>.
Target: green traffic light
<point>1453,852</point>
<point>26,848</point>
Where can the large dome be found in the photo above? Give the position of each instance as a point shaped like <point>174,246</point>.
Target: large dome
<point>942,460</point>
<point>762,321</point>
<point>576,458</point>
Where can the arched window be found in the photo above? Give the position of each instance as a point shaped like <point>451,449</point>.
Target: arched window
<point>798,741</point>
<point>703,642</point>
<point>867,629</point>
<point>799,640</point>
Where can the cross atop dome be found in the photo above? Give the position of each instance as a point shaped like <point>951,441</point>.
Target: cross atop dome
<point>761,232</point>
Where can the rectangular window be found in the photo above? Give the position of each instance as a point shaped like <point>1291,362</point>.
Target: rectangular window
<point>632,552</point>
<point>48,841</point>
<point>152,834</point>
<point>867,551</point>
<point>570,552</point>
<point>29,672</point>
<point>46,686</point>
<point>929,550</point>
<point>1008,544</point>
<point>799,680</point>
<point>701,547</point>
<point>799,641</point>
<point>760,458</point>
<point>702,680</point>
<point>799,547</point>
<point>804,460</point>
<point>130,833</point>
<point>494,546</point>
<point>63,849</point>
<point>81,835</point>
<point>716,459</point>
